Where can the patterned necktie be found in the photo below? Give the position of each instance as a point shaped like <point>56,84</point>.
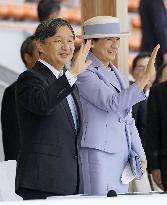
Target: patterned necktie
<point>72,105</point>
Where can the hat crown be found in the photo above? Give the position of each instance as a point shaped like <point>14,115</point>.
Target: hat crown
<point>101,20</point>
<point>101,27</point>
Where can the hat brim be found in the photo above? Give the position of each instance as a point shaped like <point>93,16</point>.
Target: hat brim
<point>102,35</point>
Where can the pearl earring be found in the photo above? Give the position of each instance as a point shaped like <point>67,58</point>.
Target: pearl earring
<point>92,46</point>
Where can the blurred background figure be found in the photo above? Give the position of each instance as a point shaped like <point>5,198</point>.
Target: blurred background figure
<point>163,73</point>
<point>9,122</point>
<point>157,132</point>
<point>139,110</point>
<point>29,53</point>
<point>154,28</point>
<point>139,113</point>
<point>32,1</point>
<point>48,9</point>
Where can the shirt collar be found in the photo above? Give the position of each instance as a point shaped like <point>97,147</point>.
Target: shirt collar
<point>55,72</point>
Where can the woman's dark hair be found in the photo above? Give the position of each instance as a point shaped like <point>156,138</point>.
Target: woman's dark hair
<point>95,39</point>
<point>138,57</point>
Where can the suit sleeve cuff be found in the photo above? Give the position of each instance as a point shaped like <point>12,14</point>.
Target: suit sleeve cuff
<point>71,78</point>
<point>141,94</point>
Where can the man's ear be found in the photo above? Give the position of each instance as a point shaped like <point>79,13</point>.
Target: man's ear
<point>27,58</point>
<point>39,46</point>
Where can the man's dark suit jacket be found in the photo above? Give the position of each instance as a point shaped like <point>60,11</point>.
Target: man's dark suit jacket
<point>154,26</point>
<point>139,111</point>
<point>139,114</point>
<point>49,147</point>
<point>9,122</point>
<point>157,130</point>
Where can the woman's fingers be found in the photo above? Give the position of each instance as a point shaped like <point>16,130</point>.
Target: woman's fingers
<point>87,47</point>
<point>84,50</point>
<point>81,49</point>
<point>80,63</point>
<point>153,56</point>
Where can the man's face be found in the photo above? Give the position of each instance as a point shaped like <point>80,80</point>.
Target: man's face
<point>164,75</point>
<point>58,49</point>
<point>140,68</point>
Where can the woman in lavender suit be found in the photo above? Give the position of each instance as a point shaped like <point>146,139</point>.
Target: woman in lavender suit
<point>107,100</point>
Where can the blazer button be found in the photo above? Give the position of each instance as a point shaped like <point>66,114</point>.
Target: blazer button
<point>75,157</point>
<point>120,120</point>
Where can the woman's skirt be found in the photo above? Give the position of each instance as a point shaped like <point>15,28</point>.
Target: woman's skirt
<point>102,171</point>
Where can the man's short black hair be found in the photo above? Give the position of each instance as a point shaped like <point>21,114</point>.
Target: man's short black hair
<point>28,47</point>
<point>138,57</point>
<point>47,7</point>
<point>49,28</point>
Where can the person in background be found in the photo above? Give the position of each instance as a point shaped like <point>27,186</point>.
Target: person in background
<point>32,1</point>
<point>50,116</point>
<point>139,110</point>
<point>108,127</point>
<point>9,121</point>
<point>48,9</point>
<point>139,113</point>
<point>163,73</point>
<point>157,133</point>
<point>153,16</point>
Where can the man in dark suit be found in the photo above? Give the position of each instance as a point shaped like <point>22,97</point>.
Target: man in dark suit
<point>50,116</point>
<point>157,133</point>
<point>9,121</point>
<point>154,28</point>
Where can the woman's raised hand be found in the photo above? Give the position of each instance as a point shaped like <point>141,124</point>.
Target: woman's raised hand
<point>150,70</point>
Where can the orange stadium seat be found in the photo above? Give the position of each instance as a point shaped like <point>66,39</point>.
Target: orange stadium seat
<point>134,41</point>
<point>135,22</point>
<point>133,5</point>
<point>15,10</point>
<point>29,10</point>
<point>4,9</point>
<point>71,14</point>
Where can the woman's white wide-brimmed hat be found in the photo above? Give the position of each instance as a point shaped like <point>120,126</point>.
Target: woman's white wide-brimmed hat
<point>101,27</point>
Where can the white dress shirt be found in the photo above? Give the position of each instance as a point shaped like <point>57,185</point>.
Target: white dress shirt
<point>71,79</point>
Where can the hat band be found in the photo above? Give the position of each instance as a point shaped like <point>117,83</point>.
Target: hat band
<point>109,28</point>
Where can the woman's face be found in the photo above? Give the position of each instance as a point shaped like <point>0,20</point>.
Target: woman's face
<point>58,49</point>
<point>140,67</point>
<point>105,49</point>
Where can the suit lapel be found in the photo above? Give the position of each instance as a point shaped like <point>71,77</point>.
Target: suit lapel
<point>103,74</point>
<point>66,107</point>
<point>76,97</point>
<point>45,72</point>
<point>119,76</point>
<point>50,78</point>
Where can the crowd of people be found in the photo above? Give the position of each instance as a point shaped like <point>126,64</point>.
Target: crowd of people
<point>71,121</point>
